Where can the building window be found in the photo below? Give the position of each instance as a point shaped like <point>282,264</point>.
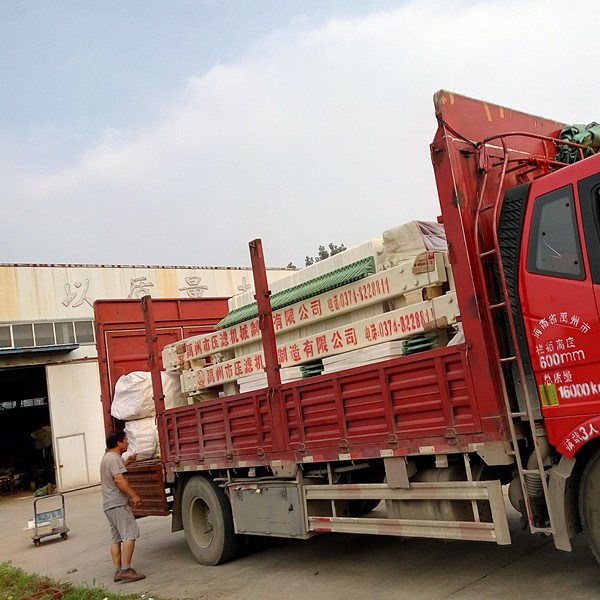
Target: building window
<point>44,334</point>
<point>23,335</point>
<point>84,332</point>
<point>5,337</point>
<point>64,332</point>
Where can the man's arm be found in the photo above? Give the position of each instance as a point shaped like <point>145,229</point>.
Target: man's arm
<point>124,486</point>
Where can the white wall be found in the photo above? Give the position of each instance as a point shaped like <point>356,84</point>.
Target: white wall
<point>39,292</point>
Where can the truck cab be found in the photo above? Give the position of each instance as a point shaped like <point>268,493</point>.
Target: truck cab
<point>558,284</point>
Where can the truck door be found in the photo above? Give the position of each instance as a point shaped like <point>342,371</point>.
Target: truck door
<point>559,300</point>
<point>589,197</point>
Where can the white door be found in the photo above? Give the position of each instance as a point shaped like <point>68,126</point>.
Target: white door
<point>77,425</point>
<point>71,462</point>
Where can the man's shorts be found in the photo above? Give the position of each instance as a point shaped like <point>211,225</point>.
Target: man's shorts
<point>123,526</point>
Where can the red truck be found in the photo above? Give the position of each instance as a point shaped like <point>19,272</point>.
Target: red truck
<point>435,435</point>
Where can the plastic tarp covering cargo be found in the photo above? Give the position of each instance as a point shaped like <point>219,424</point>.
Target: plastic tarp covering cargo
<point>411,239</point>
<point>134,398</point>
<point>142,435</point>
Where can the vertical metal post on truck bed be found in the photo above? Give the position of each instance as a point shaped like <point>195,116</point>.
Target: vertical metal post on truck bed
<point>265,323</point>
<point>153,363</point>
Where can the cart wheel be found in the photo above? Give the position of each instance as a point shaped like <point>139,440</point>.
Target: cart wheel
<point>64,535</point>
<point>37,542</point>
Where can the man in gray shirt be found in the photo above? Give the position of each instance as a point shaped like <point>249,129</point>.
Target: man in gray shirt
<point>118,498</point>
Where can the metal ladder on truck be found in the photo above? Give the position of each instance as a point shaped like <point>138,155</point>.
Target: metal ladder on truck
<point>491,257</point>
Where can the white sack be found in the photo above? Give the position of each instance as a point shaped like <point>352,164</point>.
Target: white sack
<point>143,439</point>
<point>134,399</point>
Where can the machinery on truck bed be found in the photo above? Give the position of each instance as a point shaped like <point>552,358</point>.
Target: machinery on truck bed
<point>433,434</point>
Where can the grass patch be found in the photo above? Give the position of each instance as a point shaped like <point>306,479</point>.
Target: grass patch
<point>15,584</point>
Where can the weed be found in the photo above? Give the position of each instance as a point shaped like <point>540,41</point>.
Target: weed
<point>15,584</point>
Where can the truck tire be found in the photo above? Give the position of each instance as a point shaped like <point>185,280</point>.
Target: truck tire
<point>358,508</point>
<point>589,503</point>
<point>208,522</point>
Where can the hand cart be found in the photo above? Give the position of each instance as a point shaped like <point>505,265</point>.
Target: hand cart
<point>49,522</point>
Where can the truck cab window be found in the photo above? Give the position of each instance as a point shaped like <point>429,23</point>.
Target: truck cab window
<point>554,247</point>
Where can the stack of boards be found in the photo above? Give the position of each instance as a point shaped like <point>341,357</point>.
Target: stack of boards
<point>404,304</point>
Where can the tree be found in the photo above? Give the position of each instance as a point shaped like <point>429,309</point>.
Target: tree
<point>323,253</point>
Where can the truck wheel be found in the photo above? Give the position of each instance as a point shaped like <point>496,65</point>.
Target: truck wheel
<point>358,508</point>
<point>589,503</point>
<point>208,522</point>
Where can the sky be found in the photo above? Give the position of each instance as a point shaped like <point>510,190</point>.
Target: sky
<point>150,132</point>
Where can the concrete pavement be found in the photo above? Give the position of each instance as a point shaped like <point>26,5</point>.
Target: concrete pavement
<point>331,566</point>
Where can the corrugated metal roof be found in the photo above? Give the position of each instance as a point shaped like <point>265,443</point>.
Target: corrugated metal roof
<point>319,285</point>
<point>32,349</point>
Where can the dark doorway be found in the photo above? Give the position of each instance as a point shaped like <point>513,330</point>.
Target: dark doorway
<point>26,454</point>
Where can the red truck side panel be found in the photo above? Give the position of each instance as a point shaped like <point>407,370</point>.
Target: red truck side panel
<point>422,403</point>
<point>121,337</point>
<point>122,348</point>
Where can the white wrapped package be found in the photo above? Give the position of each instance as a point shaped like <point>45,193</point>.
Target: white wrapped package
<point>142,435</point>
<point>172,389</point>
<point>411,239</point>
<point>134,399</point>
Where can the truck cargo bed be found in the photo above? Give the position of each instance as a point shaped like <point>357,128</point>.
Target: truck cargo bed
<point>420,404</point>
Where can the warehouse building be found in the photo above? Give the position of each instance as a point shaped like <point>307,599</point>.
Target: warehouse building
<point>51,427</point>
